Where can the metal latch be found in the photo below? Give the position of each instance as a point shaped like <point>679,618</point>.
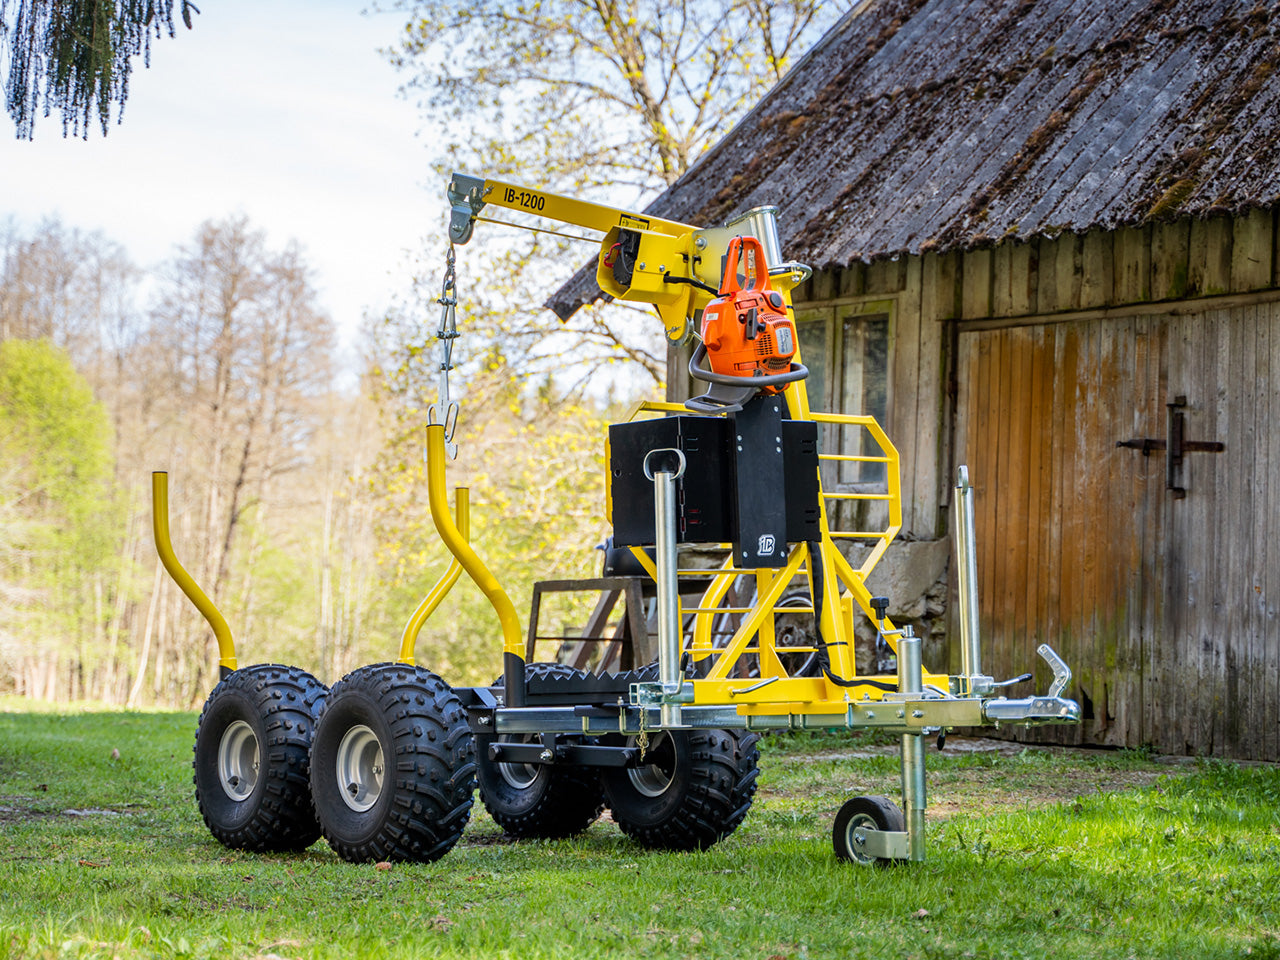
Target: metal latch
<point>1176,445</point>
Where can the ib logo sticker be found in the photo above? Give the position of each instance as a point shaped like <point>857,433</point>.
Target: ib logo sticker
<point>766,546</point>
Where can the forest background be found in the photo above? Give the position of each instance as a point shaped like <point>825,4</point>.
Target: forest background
<point>297,495</point>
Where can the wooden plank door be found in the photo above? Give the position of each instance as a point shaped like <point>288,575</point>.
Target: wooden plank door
<point>1212,686</point>
<point>1068,523</point>
<point>1160,588</point>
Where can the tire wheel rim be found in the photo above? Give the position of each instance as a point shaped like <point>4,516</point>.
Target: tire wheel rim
<point>238,761</point>
<point>360,767</point>
<point>862,821</point>
<point>654,779</point>
<point>520,776</point>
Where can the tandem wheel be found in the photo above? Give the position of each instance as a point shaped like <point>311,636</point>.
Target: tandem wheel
<point>250,767</point>
<point>392,765</point>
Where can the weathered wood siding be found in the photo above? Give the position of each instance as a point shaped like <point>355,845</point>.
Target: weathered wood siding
<point>1164,606</point>
<point>1029,362</point>
<point>917,294</point>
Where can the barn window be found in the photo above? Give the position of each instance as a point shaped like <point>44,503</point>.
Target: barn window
<point>858,384</point>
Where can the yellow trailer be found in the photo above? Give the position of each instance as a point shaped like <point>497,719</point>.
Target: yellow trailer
<point>385,763</point>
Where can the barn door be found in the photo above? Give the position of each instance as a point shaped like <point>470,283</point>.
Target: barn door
<point>1212,685</point>
<point>1068,523</point>
<point>1126,514</point>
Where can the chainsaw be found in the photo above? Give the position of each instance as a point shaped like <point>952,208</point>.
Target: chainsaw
<point>748,338</point>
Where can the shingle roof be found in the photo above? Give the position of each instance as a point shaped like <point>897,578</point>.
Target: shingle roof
<point>920,125</point>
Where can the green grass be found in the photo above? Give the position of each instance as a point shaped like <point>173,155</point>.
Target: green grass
<point>1038,854</point>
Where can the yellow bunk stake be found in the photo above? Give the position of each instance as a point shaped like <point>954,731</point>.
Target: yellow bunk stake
<point>188,585</point>
<point>462,509</point>
<point>512,639</point>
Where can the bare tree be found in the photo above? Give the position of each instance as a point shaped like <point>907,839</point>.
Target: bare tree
<point>596,93</point>
<point>248,358</point>
<point>600,98</point>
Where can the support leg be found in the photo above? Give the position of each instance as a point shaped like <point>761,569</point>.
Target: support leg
<point>911,680</point>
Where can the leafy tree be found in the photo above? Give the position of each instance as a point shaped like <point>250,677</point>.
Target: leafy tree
<point>534,464</point>
<point>60,521</point>
<point>76,56</point>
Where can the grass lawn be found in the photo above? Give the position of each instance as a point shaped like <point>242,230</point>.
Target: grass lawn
<point>1032,853</point>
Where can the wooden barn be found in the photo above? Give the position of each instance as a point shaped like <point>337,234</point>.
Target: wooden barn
<point>1045,241</point>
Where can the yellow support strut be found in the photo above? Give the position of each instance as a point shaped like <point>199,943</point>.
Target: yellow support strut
<point>512,639</point>
<point>160,525</point>
<point>462,497</point>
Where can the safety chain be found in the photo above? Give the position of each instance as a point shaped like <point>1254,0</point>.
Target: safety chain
<point>445,410</point>
<point>642,738</point>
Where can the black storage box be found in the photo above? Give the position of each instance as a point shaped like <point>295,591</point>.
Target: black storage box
<point>725,470</point>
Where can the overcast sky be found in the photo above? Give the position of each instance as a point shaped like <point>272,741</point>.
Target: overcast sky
<point>279,109</point>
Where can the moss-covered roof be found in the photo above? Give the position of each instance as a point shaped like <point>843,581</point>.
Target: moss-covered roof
<point>919,125</point>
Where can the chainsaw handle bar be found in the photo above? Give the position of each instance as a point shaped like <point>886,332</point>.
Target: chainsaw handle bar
<point>756,272</point>
<point>798,371</point>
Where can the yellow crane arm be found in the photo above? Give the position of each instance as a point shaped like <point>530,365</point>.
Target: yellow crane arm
<point>642,258</point>
<point>468,195</point>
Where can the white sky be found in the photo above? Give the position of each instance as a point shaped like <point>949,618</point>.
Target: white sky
<point>282,110</point>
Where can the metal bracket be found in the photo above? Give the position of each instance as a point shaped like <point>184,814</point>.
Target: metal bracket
<point>882,844</point>
<point>466,196</point>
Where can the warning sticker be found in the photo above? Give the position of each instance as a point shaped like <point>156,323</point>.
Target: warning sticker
<point>633,223</point>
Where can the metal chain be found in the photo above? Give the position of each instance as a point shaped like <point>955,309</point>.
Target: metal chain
<point>445,410</point>
<point>642,738</point>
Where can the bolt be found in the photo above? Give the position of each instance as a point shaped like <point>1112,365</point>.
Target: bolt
<point>701,243</point>
<point>641,264</point>
<point>483,721</point>
<point>917,714</point>
<point>545,755</point>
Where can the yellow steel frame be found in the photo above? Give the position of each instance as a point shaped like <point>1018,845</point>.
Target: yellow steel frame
<point>668,248</point>
<point>409,640</point>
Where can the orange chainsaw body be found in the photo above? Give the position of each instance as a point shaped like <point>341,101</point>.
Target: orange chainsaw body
<point>746,329</point>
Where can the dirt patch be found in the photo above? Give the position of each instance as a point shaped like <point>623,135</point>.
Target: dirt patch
<point>25,810</point>
<point>992,791</point>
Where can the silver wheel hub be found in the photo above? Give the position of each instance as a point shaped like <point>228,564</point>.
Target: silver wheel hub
<point>853,842</point>
<point>360,768</point>
<point>654,778</point>
<point>238,760</point>
<point>520,776</point>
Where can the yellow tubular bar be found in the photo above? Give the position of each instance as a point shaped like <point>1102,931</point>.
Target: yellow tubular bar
<point>184,580</point>
<point>512,640</point>
<point>754,621</point>
<point>427,607</point>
